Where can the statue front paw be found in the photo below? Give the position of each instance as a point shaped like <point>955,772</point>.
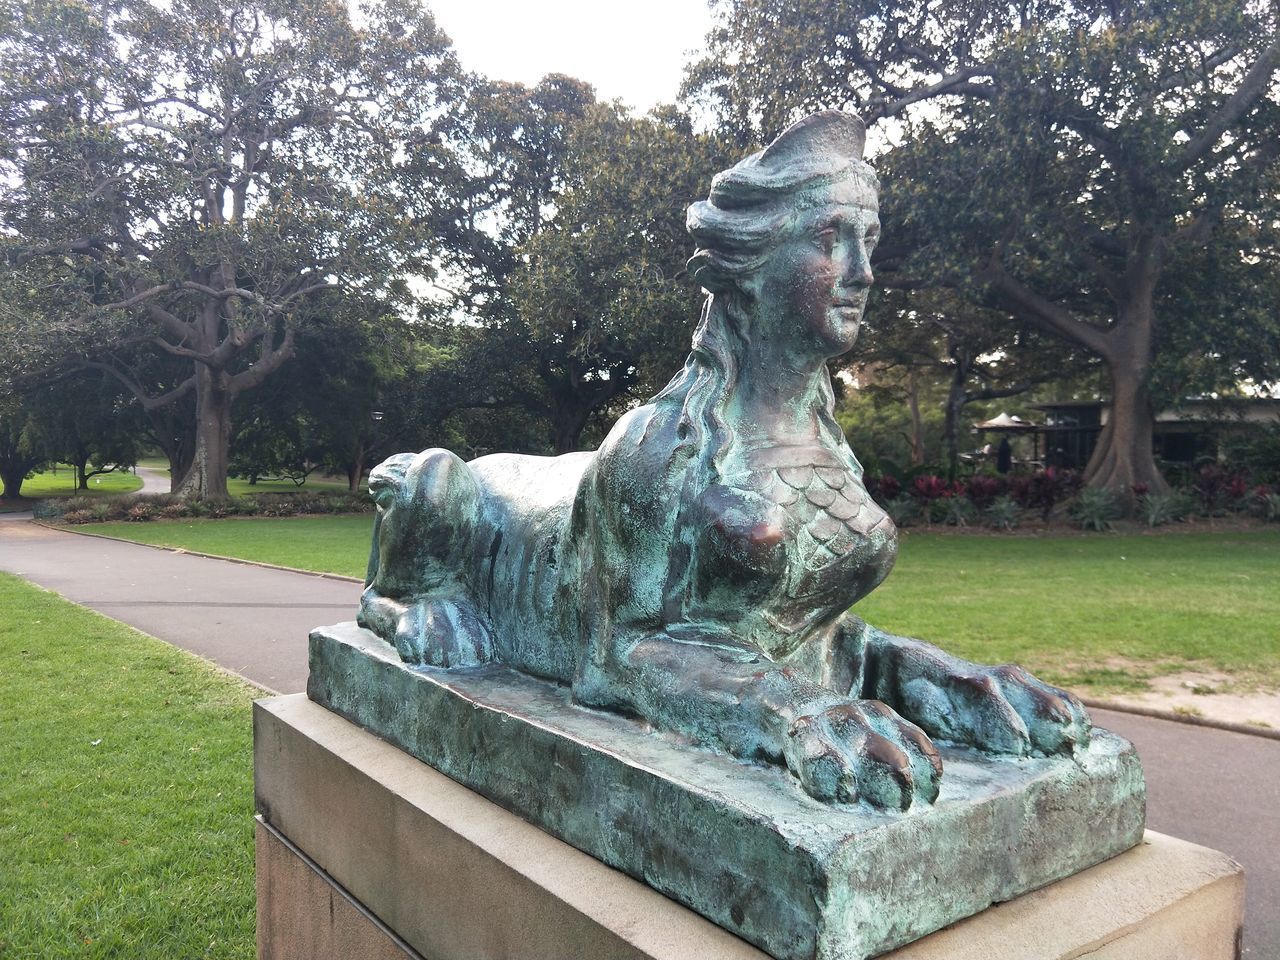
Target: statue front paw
<point>1000,709</point>
<point>862,750</point>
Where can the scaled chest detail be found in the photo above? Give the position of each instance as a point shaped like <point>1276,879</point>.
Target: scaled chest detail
<point>830,516</point>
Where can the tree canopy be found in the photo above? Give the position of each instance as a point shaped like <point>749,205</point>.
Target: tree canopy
<point>568,244</point>
<point>186,178</point>
<point>1105,172</point>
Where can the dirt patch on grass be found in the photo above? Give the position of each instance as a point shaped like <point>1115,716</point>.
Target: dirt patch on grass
<point>1211,696</point>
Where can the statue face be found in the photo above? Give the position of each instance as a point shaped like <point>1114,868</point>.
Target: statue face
<point>813,289</point>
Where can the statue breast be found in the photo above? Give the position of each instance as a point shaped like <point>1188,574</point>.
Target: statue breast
<point>838,543</point>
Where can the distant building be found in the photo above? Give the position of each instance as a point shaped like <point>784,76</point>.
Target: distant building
<point>1193,431</point>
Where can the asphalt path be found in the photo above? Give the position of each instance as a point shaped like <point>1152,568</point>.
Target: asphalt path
<point>153,480</point>
<point>1211,787</point>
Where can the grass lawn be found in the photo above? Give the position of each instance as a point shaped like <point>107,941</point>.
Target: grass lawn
<point>1099,613</point>
<point>324,544</point>
<point>63,484</point>
<point>239,488</point>
<point>126,785</point>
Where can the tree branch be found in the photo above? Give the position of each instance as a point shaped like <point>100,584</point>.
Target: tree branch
<point>1252,88</point>
<point>956,84</point>
<point>1040,311</point>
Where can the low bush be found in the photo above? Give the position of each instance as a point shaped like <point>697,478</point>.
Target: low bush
<point>1158,509</point>
<point>168,507</point>
<point>1095,509</point>
<point>1003,513</point>
<point>903,510</point>
<point>954,511</point>
<point>1044,490</point>
<point>1269,506</point>
<point>983,489</point>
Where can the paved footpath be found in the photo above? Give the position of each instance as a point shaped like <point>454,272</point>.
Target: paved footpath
<point>1208,786</point>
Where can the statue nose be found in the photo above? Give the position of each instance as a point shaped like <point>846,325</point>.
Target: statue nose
<point>858,270</point>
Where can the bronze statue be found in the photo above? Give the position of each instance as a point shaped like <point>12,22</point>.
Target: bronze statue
<point>696,571</point>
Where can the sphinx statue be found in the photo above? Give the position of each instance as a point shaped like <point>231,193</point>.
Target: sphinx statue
<point>697,570</point>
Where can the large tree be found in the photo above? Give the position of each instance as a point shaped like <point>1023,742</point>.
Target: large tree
<point>1077,160</point>
<point>566,251</point>
<point>183,178</point>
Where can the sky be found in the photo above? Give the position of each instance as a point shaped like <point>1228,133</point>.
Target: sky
<point>633,50</point>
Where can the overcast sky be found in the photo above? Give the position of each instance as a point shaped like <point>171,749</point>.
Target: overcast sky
<point>634,51</point>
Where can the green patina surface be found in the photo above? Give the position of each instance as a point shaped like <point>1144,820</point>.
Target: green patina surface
<point>695,573</point>
<point>739,843</point>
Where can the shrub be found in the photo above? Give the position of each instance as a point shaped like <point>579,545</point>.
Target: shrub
<point>982,490</point>
<point>882,488</point>
<point>142,511</point>
<point>903,510</point>
<point>169,507</point>
<point>1269,507</point>
<point>1219,490</point>
<point>929,487</point>
<point>954,511</point>
<point>1161,508</point>
<point>1002,513</point>
<point>1095,508</point>
<point>1044,489</point>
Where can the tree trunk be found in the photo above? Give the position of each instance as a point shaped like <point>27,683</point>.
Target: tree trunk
<point>12,475</point>
<point>917,421</point>
<point>956,399</point>
<point>1124,457</point>
<point>82,473</point>
<point>567,424</point>
<point>355,468</point>
<point>206,478</point>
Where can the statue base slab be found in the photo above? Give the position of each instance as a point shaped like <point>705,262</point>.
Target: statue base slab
<point>739,844</point>
<point>363,851</point>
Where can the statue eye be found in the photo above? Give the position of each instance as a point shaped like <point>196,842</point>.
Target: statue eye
<point>826,238</point>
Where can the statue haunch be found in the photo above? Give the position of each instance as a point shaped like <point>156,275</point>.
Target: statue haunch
<point>696,570</point>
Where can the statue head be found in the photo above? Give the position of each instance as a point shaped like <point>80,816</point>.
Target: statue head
<point>767,255</point>
<point>776,196</point>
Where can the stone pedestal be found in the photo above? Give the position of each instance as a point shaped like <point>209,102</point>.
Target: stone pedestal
<point>367,852</point>
<point>742,844</point>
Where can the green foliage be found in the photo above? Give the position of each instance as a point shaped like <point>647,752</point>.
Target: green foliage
<point>80,509</point>
<point>1157,509</point>
<point>1003,513</point>
<point>1095,509</point>
<point>1105,174</point>
<point>904,510</point>
<point>955,511</point>
<point>22,448</point>
<point>192,178</point>
<point>127,786</point>
<point>876,419</point>
<point>567,233</point>
<point>1269,506</point>
<point>1257,452</point>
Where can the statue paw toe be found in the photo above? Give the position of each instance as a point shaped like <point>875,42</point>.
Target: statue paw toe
<point>1006,710</point>
<point>442,633</point>
<point>862,750</point>
<point>1055,720</point>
